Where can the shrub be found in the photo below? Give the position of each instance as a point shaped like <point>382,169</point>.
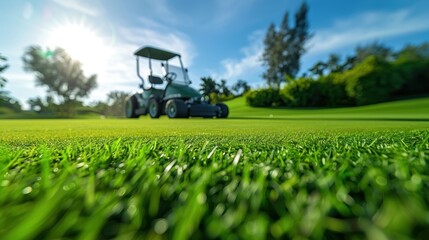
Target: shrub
<point>265,97</point>
<point>214,97</point>
<point>416,76</point>
<point>333,88</point>
<point>304,92</point>
<point>372,81</point>
<point>224,97</point>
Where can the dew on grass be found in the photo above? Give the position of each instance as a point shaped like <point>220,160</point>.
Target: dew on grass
<point>161,226</point>
<point>132,210</point>
<point>27,190</point>
<point>201,198</point>
<point>5,183</point>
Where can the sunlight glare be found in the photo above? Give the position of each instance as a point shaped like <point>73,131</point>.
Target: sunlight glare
<point>81,43</point>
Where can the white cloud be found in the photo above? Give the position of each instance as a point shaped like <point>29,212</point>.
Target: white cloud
<point>367,26</point>
<point>79,6</point>
<point>249,64</point>
<point>162,36</point>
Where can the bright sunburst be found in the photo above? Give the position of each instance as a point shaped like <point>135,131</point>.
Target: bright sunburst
<point>80,42</point>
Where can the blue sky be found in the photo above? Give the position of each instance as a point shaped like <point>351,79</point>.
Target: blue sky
<point>219,38</point>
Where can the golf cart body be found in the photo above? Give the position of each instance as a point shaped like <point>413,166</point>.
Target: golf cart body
<point>167,91</point>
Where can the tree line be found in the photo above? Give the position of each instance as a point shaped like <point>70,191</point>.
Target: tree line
<point>220,91</point>
<point>373,73</point>
<point>6,100</point>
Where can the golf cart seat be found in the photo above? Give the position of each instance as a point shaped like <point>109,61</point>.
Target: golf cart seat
<point>155,80</point>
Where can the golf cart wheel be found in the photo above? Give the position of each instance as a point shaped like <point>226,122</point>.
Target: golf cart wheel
<point>154,108</point>
<point>223,110</point>
<point>176,108</point>
<point>130,107</point>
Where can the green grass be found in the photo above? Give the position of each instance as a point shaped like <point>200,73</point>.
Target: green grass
<point>285,177</point>
<point>9,114</point>
<point>405,109</point>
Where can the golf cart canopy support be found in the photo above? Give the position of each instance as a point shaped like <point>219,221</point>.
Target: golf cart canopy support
<point>157,54</point>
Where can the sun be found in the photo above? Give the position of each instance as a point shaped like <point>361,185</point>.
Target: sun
<point>81,42</point>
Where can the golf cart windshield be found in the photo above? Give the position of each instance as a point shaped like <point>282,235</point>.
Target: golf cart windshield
<point>158,72</point>
<point>181,74</point>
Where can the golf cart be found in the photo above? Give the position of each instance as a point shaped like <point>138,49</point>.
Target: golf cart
<point>168,92</point>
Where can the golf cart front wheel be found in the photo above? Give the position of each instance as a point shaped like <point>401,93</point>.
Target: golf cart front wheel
<point>176,108</point>
<point>153,108</point>
<point>130,107</point>
<point>223,110</point>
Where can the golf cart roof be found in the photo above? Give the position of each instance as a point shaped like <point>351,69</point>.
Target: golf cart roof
<point>155,53</point>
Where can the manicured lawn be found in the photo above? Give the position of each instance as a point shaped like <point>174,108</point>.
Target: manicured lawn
<point>405,109</point>
<point>294,175</point>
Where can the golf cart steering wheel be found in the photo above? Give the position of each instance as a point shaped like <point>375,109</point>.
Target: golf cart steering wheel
<point>171,76</point>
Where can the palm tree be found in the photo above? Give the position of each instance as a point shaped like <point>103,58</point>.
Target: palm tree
<point>318,69</point>
<point>241,87</point>
<point>333,64</point>
<point>208,86</point>
<point>223,88</point>
<point>2,69</point>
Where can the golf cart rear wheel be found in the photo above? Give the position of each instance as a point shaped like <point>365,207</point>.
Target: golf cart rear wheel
<point>176,108</point>
<point>130,107</point>
<point>223,110</point>
<point>154,108</point>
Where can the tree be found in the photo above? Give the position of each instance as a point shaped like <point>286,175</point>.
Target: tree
<point>5,99</point>
<point>3,67</point>
<point>208,86</point>
<point>298,38</point>
<point>46,105</point>
<point>333,64</point>
<point>283,48</point>
<point>413,53</point>
<point>373,49</point>
<point>241,87</point>
<point>116,101</point>
<point>62,75</point>
<point>318,69</point>
<point>113,106</point>
<point>349,63</point>
<point>271,57</point>
<point>224,90</point>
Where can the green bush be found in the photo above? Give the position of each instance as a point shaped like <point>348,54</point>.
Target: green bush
<point>214,98</point>
<point>304,92</point>
<point>372,81</point>
<point>416,76</point>
<point>333,88</point>
<point>265,97</point>
<point>224,97</point>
